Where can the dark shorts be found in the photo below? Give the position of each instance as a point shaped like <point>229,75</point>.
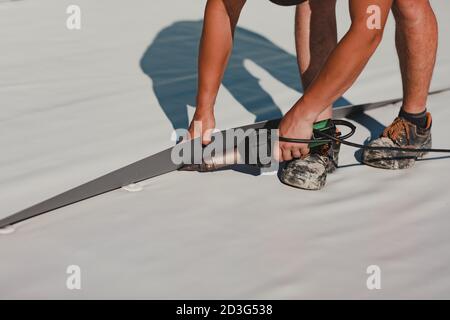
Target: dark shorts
<point>287,2</point>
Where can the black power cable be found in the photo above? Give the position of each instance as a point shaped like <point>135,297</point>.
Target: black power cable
<point>326,138</point>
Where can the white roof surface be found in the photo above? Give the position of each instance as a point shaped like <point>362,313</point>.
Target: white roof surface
<point>78,104</point>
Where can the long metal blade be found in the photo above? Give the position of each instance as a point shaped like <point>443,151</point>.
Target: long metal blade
<point>345,111</point>
<point>153,166</point>
<point>150,167</point>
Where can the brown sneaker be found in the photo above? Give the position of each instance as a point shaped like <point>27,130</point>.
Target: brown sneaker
<point>404,134</point>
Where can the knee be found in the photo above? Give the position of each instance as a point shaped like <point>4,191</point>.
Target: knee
<point>373,38</point>
<point>410,11</point>
<point>368,37</point>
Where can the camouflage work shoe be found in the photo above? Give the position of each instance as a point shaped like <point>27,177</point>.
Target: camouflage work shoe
<point>310,172</point>
<point>404,134</point>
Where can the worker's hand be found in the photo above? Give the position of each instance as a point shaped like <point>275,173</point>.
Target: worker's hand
<point>293,125</point>
<point>202,125</point>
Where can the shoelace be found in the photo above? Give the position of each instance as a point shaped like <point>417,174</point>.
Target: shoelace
<point>330,138</point>
<point>396,128</point>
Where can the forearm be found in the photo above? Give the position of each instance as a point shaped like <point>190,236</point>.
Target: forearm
<point>216,44</point>
<point>346,61</point>
<point>340,71</point>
